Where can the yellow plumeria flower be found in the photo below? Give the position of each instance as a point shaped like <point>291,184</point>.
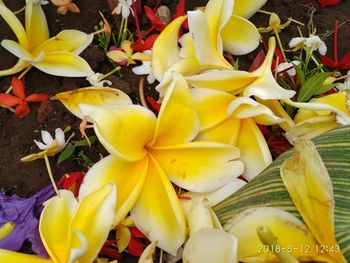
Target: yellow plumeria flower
<point>216,30</point>
<point>275,25</point>
<point>313,122</point>
<point>72,231</point>
<point>127,56</point>
<point>149,153</point>
<point>56,56</point>
<point>234,121</point>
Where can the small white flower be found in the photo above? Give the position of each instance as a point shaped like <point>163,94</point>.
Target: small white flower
<point>48,142</point>
<point>124,7</point>
<point>94,80</point>
<point>288,65</point>
<point>145,69</point>
<point>44,2</point>
<point>345,85</point>
<point>311,43</point>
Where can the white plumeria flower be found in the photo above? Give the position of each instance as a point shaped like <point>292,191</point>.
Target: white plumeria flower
<point>145,69</point>
<point>94,80</point>
<point>311,43</point>
<point>345,85</point>
<point>49,142</point>
<point>288,65</point>
<point>124,7</point>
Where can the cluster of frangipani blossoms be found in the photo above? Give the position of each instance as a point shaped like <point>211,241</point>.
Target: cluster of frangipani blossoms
<point>205,135</point>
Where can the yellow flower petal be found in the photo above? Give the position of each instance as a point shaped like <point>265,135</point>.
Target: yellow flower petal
<point>218,13</point>
<point>199,166</point>
<point>310,187</point>
<point>54,224</point>
<point>312,127</point>
<point>225,132</point>
<point>64,64</point>
<point>255,152</point>
<point>140,56</point>
<point>148,253</point>
<point>243,108</point>
<point>337,100</point>
<point>6,229</point>
<point>177,122</point>
<point>94,218</point>
<point>187,46</point>
<point>233,81</point>
<point>17,50</point>
<point>279,111</point>
<point>117,56</point>
<point>211,106</point>
<point>236,42</point>
<point>292,234</point>
<point>8,256</point>
<point>36,24</point>
<point>210,245</point>
<point>123,130</point>
<point>247,8</point>
<point>126,46</point>
<point>73,41</point>
<point>265,86</point>
<point>14,24</point>
<point>128,177</point>
<point>123,237</point>
<point>205,44</point>
<point>20,65</point>
<point>157,213</point>
<point>165,51</point>
<point>91,96</point>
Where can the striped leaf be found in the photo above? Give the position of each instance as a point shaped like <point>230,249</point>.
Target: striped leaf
<point>268,190</point>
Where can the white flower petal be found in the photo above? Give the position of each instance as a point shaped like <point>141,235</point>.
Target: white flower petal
<point>46,137</point>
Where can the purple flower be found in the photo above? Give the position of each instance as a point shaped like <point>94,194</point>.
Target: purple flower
<point>25,214</point>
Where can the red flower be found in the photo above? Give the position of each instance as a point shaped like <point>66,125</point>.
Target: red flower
<point>72,181</point>
<point>324,3</point>
<point>344,63</point>
<point>19,99</point>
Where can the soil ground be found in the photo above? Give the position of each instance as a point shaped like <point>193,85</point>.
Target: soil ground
<point>17,135</point>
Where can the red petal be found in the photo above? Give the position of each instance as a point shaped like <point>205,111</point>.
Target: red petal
<point>324,3</point>
<point>140,45</point>
<point>36,97</point>
<point>180,9</point>
<point>258,60</point>
<point>279,54</point>
<point>153,103</point>
<point>135,247</point>
<point>329,62</point>
<point>136,233</point>
<point>73,179</point>
<point>18,87</point>
<point>22,110</point>
<point>345,61</point>
<point>9,100</point>
<point>156,22</point>
<point>110,252</point>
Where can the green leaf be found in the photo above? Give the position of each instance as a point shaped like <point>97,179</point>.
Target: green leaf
<point>83,142</point>
<point>65,154</point>
<point>325,88</point>
<point>268,189</point>
<point>300,73</point>
<point>312,86</point>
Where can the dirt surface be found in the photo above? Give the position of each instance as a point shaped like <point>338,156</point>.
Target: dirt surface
<point>17,135</point>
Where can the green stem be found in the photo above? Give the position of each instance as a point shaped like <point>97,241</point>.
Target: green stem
<point>109,73</point>
<point>20,10</point>
<point>48,167</point>
<point>280,44</point>
<point>268,238</point>
<point>120,32</point>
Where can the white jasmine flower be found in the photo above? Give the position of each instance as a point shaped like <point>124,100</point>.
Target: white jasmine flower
<point>311,43</point>
<point>288,65</point>
<point>49,142</point>
<point>95,81</point>
<point>345,85</point>
<point>124,7</point>
<point>145,69</point>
